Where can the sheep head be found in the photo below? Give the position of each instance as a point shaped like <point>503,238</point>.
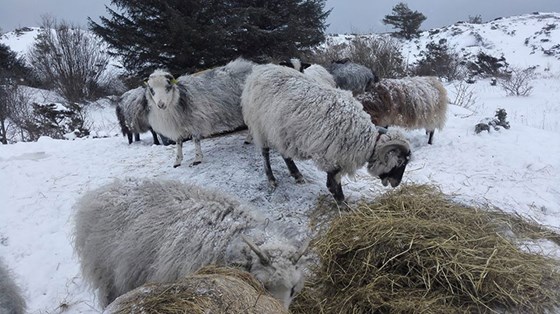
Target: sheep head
<point>389,158</point>
<point>161,89</point>
<point>278,267</point>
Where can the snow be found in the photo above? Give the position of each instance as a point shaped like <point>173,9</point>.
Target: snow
<point>517,170</point>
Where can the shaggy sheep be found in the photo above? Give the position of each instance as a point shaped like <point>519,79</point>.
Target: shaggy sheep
<point>132,232</point>
<point>352,76</point>
<point>412,103</point>
<point>11,300</point>
<point>302,119</point>
<point>132,113</point>
<point>209,290</point>
<point>315,71</point>
<point>197,105</point>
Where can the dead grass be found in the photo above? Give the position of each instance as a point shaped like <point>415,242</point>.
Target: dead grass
<point>211,290</point>
<point>415,251</point>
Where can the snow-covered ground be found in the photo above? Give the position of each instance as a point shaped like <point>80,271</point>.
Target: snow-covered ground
<point>517,170</point>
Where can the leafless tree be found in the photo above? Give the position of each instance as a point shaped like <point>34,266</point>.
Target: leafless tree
<point>382,55</point>
<point>518,82</point>
<point>73,60</point>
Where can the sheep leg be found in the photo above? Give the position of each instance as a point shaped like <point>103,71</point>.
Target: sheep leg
<point>294,171</point>
<point>334,186</point>
<point>197,152</point>
<point>137,137</point>
<point>267,169</point>
<point>129,136</point>
<point>430,136</point>
<point>179,156</point>
<point>248,139</point>
<point>154,135</point>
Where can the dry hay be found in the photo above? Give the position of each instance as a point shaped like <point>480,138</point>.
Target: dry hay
<point>210,290</point>
<point>414,250</point>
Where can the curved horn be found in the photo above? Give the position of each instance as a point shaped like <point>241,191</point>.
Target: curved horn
<point>265,260</point>
<point>300,252</point>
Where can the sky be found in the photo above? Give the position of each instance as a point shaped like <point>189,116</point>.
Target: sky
<point>347,16</point>
<point>516,169</point>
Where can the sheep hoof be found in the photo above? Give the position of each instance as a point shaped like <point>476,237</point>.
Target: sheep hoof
<point>300,180</point>
<point>196,162</point>
<point>176,165</point>
<point>272,184</point>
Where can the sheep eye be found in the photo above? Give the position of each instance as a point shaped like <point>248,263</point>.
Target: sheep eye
<point>293,291</point>
<point>168,87</point>
<point>152,91</point>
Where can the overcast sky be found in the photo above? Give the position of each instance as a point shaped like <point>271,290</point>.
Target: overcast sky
<point>361,16</point>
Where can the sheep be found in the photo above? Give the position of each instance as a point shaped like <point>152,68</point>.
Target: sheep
<point>133,231</point>
<point>11,300</point>
<point>412,103</point>
<point>303,119</point>
<point>210,290</point>
<point>316,71</point>
<point>132,113</point>
<point>197,105</point>
<point>352,76</point>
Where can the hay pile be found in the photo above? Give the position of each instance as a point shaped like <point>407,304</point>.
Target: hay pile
<point>415,251</point>
<point>211,290</point>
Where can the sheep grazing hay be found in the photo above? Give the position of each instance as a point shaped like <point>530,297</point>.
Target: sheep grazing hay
<point>210,290</point>
<point>416,251</point>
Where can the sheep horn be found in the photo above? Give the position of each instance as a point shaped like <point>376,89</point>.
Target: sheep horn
<point>265,260</point>
<point>301,251</point>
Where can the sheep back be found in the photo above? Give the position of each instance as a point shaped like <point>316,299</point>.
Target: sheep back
<point>130,232</point>
<point>303,119</point>
<point>11,299</point>
<point>210,290</point>
<point>132,106</point>
<point>320,74</point>
<point>412,102</point>
<point>352,76</point>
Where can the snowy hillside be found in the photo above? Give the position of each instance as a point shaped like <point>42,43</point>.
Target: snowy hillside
<point>525,41</point>
<point>517,170</point>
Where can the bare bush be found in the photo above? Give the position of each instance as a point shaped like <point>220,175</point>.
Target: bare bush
<point>71,60</point>
<point>17,115</point>
<point>464,95</point>
<point>518,82</point>
<point>381,54</point>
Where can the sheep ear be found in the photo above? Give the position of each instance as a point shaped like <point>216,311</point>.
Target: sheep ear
<point>145,82</point>
<point>265,260</point>
<point>295,259</point>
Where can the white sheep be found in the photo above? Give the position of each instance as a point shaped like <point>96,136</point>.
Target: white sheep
<point>197,105</point>
<point>411,102</point>
<point>132,114</point>
<point>131,232</point>
<point>315,71</point>
<point>352,76</point>
<point>11,299</point>
<point>302,119</point>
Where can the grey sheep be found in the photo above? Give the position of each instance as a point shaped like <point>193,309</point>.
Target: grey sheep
<point>131,232</point>
<point>352,76</point>
<point>302,119</point>
<point>411,102</point>
<point>132,113</point>
<point>197,105</point>
<point>11,299</point>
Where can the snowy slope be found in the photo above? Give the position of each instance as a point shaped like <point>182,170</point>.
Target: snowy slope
<point>517,170</point>
<point>525,40</point>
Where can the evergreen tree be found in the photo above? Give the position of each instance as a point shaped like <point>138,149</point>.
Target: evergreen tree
<point>185,36</point>
<point>406,20</point>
